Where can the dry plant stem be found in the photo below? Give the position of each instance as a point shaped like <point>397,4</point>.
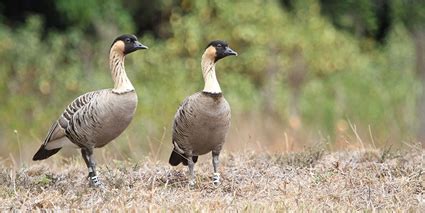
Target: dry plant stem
<point>19,145</point>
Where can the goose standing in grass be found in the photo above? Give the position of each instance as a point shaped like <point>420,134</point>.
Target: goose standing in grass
<point>96,118</point>
<point>203,119</point>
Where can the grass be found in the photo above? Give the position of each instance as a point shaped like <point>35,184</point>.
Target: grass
<point>314,179</point>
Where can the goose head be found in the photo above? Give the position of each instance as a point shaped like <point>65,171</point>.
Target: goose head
<point>218,49</point>
<point>127,44</point>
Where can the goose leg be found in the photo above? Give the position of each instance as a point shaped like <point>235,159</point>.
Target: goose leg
<point>89,159</point>
<point>191,165</point>
<point>215,161</point>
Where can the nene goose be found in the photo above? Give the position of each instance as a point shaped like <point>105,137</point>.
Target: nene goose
<point>95,118</point>
<point>202,120</point>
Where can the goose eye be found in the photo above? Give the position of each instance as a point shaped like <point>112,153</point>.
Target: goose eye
<point>218,45</point>
<point>127,40</point>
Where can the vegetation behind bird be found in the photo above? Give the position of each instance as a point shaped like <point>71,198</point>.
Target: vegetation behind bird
<point>298,77</point>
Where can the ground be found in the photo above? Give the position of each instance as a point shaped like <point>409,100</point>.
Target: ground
<point>314,179</point>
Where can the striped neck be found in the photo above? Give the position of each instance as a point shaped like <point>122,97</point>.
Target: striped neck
<point>208,72</point>
<point>116,63</point>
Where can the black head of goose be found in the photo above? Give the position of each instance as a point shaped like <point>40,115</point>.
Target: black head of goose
<point>96,118</point>
<point>201,122</point>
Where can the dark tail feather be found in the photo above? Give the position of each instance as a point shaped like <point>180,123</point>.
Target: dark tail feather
<point>43,153</point>
<point>176,159</point>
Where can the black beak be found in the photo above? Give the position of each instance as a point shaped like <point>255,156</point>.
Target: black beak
<point>229,51</point>
<point>139,46</point>
<point>136,45</point>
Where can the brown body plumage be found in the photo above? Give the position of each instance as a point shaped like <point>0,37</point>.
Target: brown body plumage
<point>200,125</point>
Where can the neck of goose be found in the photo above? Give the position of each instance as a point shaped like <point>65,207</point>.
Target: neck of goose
<point>208,72</point>
<point>121,82</point>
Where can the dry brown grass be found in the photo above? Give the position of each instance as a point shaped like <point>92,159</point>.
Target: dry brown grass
<point>251,181</point>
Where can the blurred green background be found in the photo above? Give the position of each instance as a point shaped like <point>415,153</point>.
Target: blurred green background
<point>347,72</point>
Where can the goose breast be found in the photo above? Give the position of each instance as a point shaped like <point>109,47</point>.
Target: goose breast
<point>103,119</point>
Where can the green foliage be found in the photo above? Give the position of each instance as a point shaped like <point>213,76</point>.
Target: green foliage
<point>44,180</point>
<point>346,77</point>
<point>357,16</point>
<point>411,13</point>
<point>88,14</point>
